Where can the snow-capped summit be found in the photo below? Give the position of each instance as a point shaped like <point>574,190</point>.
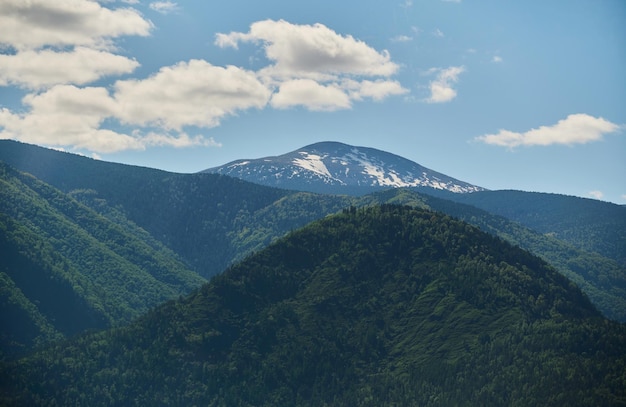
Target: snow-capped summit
<point>333,167</point>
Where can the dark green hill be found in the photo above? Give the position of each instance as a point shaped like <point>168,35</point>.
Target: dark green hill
<point>65,269</point>
<point>590,225</point>
<point>211,221</point>
<point>601,278</point>
<point>208,220</point>
<point>377,307</point>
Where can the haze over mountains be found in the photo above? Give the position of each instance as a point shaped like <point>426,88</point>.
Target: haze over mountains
<point>329,167</point>
<point>93,244</point>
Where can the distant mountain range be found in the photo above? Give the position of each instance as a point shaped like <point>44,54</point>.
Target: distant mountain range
<point>109,241</point>
<point>332,167</point>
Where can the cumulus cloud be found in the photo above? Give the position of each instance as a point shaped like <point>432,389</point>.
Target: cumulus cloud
<point>61,46</point>
<point>574,129</point>
<point>375,90</point>
<point>36,23</point>
<point>497,59</point>
<point>193,93</point>
<point>311,63</point>
<point>311,50</point>
<point>64,42</point>
<point>311,94</point>
<point>39,69</point>
<point>164,7</point>
<point>67,116</point>
<point>441,88</point>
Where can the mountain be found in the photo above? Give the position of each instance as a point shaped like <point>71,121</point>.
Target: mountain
<point>210,221</point>
<point>589,224</point>
<point>66,269</point>
<point>331,167</point>
<point>381,306</point>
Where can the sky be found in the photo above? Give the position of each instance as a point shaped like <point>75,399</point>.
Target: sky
<point>527,95</point>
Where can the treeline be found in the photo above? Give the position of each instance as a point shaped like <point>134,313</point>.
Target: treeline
<point>380,306</point>
<point>66,269</point>
<point>588,224</point>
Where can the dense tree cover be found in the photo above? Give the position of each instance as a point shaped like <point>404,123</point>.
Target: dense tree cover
<point>65,268</point>
<point>589,224</point>
<point>207,222</point>
<point>602,279</point>
<point>381,306</point>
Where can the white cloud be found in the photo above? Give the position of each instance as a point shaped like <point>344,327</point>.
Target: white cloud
<point>441,89</point>
<point>402,38</point>
<point>497,59</point>
<point>309,93</point>
<point>179,140</point>
<point>311,51</point>
<point>67,116</point>
<point>193,93</point>
<point>376,90</point>
<point>38,69</point>
<point>596,194</point>
<point>312,65</point>
<point>64,44</point>
<point>36,23</point>
<point>438,33</point>
<point>164,7</point>
<point>575,129</point>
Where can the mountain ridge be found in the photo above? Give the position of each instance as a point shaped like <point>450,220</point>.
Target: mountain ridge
<point>333,166</point>
<point>386,305</point>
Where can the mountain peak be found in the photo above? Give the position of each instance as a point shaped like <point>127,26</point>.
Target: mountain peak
<point>333,167</point>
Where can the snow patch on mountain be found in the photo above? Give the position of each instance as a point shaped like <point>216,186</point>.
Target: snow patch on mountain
<point>337,167</point>
<point>314,163</point>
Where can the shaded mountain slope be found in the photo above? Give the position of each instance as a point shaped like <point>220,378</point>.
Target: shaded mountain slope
<point>589,224</point>
<point>191,214</point>
<point>601,278</point>
<point>66,269</point>
<point>209,221</point>
<point>383,306</point>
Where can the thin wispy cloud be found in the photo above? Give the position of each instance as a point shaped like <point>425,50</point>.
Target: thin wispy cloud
<point>442,87</point>
<point>596,194</point>
<point>402,38</point>
<point>164,7</point>
<point>574,129</point>
<point>438,33</point>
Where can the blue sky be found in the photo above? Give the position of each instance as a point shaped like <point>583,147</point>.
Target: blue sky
<point>501,94</point>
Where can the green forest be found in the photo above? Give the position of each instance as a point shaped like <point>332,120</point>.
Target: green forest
<point>402,296</point>
<point>386,305</point>
<point>93,244</point>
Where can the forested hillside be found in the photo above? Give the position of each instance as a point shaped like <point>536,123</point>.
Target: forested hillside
<point>207,219</point>
<point>210,221</point>
<point>589,224</point>
<point>65,268</point>
<point>380,306</point>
